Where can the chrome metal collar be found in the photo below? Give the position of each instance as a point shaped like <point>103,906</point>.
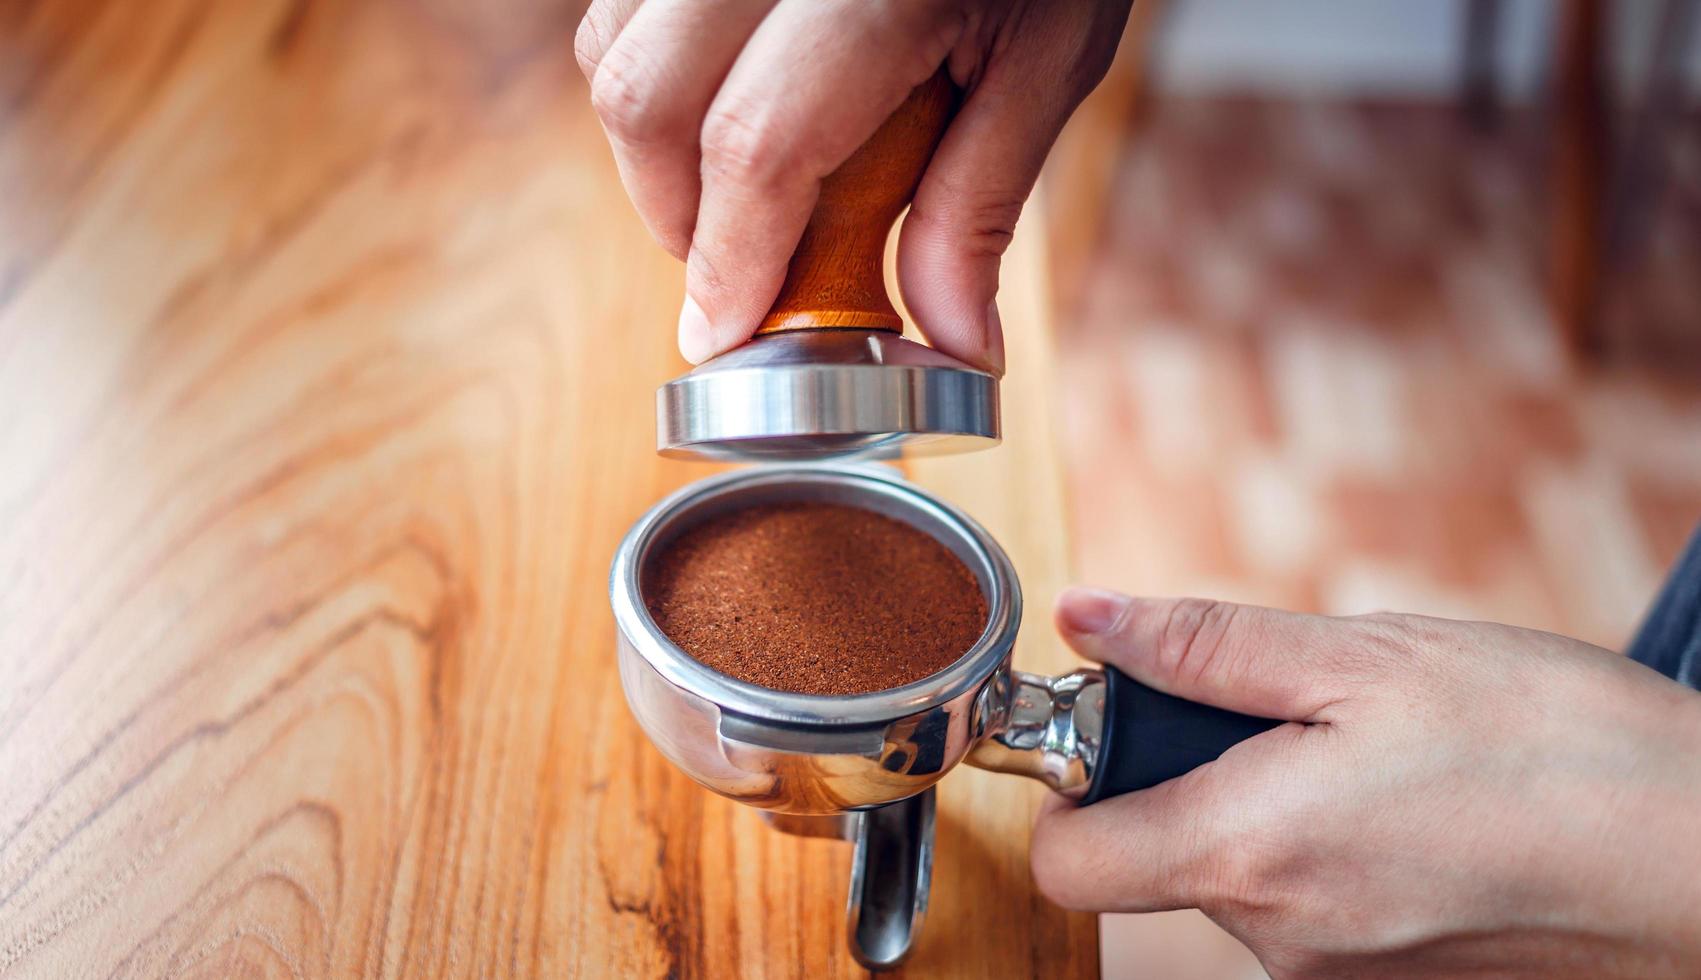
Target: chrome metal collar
<point>873,486</point>
<point>827,393</point>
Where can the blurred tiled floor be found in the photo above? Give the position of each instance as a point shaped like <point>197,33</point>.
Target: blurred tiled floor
<point>1314,368</point>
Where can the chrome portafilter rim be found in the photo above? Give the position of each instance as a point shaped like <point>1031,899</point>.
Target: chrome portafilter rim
<point>873,486</point>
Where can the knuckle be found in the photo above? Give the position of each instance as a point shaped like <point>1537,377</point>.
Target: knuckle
<point>1385,642</point>
<point>1389,625</point>
<point>625,96</point>
<point>1193,638</point>
<point>980,213</point>
<point>1053,859</point>
<point>1235,870</point>
<point>592,40</point>
<point>1242,873</point>
<point>989,231</point>
<point>703,274</point>
<point>742,151</point>
<point>978,222</point>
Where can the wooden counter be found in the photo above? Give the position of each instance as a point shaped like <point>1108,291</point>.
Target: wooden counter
<point>327,350</point>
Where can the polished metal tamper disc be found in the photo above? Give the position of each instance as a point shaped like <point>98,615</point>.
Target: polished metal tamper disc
<point>829,373</point>
<point>827,393</point>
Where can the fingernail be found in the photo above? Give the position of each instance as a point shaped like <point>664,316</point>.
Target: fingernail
<point>995,338</point>
<point>696,335</point>
<point>1089,611</point>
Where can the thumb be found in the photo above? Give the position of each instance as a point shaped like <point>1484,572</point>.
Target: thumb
<point>1249,659</point>
<point>1166,847</point>
<point>965,209</point>
<point>1143,852</point>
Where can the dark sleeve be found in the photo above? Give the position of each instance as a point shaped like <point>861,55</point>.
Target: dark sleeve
<point>1670,638</point>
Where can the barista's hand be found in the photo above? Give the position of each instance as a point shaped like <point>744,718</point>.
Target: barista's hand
<point>1453,798</point>
<point>725,115</point>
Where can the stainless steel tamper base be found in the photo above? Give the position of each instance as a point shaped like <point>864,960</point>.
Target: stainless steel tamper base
<point>824,393</point>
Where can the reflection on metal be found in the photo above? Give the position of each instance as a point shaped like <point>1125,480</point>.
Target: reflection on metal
<point>890,875</point>
<point>858,767</point>
<point>837,826</point>
<point>801,753</point>
<point>823,394</point>
<point>1051,728</point>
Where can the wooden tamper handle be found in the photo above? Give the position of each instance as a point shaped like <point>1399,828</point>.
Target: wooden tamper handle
<point>835,275</point>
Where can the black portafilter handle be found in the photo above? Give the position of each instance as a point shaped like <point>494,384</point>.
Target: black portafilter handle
<point>1150,736</point>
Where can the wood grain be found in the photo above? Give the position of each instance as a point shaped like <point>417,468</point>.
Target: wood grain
<point>327,351</point>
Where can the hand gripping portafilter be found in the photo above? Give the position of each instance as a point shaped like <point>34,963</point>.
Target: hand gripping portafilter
<point>830,378</point>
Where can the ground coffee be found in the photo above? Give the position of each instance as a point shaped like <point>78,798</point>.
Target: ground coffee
<point>815,598</point>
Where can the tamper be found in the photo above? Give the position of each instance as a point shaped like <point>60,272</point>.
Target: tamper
<point>828,384</point>
<point>829,372</point>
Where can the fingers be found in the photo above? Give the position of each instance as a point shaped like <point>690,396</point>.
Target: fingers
<point>652,85</point>
<point>1149,851</point>
<point>815,80</point>
<point>603,22</point>
<point>1204,838</point>
<point>965,210</point>
<point>1245,658</point>
<point>724,115</point>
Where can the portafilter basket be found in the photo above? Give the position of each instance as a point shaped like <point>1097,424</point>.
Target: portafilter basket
<point>861,766</point>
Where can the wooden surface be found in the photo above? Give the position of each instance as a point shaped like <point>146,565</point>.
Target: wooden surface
<point>327,349</point>
<point>1083,165</point>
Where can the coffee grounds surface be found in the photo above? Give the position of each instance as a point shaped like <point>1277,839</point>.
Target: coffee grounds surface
<point>815,598</point>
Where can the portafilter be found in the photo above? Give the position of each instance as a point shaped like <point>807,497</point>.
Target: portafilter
<point>862,765</point>
<point>827,384</point>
